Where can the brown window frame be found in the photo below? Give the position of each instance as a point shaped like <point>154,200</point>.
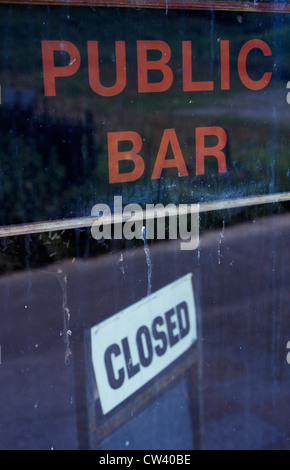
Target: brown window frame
<point>222,5</point>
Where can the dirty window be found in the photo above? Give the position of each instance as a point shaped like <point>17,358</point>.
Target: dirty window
<point>144,238</point>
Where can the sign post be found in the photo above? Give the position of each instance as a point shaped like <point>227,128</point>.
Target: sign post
<point>138,354</point>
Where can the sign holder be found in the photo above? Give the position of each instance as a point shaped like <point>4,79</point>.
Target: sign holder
<point>108,409</point>
<point>185,368</point>
<point>94,427</point>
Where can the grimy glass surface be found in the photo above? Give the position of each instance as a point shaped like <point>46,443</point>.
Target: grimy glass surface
<point>158,106</point>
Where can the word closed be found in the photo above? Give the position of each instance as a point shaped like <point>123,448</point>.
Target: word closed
<point>134,346</point>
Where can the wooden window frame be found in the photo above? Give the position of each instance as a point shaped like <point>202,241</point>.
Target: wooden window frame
<point>217,5</point>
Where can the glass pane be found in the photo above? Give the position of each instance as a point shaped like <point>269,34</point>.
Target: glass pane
<point>183,320</point>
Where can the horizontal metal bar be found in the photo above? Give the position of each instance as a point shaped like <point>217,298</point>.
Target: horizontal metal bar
<point>227,5</point>
<point>245,202</point>
<point>84,222</point>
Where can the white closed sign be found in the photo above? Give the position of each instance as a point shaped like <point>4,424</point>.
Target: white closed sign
<point>132,347</point>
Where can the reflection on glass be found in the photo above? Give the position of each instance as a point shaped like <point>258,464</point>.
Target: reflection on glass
<point>206,124</point>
